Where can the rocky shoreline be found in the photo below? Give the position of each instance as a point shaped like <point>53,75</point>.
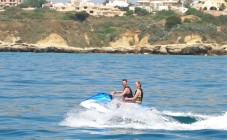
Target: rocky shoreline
<point>172,49</point>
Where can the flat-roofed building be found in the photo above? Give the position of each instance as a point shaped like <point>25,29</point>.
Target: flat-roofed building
<point>4,3</point>
<point>86,5</point>
<point>97,9</point>
<point>156,5</point>
<point>209,4</point>
<point>119,3</point>
<point>100,10</point>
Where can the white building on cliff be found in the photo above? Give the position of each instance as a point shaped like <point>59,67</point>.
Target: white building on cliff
<point>81,2</point>
<point>99,9</point>
<point>209,4</point>
<point>119,3</point>
<point>156,5</point>
<point>4,3</point>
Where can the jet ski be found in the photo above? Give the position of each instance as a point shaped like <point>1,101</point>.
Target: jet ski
<point>102,102</point>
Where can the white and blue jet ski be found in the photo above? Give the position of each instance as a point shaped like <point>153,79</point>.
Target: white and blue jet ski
<point>102,102</point>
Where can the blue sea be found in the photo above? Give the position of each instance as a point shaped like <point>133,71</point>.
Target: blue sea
<point>40,96</point>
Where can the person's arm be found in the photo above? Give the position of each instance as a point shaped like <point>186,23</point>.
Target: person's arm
<point>123,93</point>
<point>134,97</point>
<point>118,91</point>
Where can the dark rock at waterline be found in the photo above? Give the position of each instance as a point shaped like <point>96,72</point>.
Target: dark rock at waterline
<point>173,49</point>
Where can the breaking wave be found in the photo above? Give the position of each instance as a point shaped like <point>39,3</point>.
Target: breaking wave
<point>131,116</point>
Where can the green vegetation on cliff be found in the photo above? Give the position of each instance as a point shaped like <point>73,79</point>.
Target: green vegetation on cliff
<point>36,25</point>
<point>33,3</point>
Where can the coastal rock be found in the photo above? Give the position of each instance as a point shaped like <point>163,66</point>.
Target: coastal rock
<point>193,49</point>
<point>224,47</point>
<point>218,50</point>
<point>173,49</point>
<point>160,49</point>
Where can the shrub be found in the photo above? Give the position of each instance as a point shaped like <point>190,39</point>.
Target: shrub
<point>172,21</point>
<point>164,14</point>
<point>14,13</point>
<point>106,31</point>
<point>68,16</point>
<point>141,12</point>
<point>201,28</point>
<point>81,16</point>
<point>220,35</point>
<point>205,30</point>
<point>44,10</point>
<point>22,5</point>
<point>129,13</point>
<point>109,30</point>
<point>11,10</point>
<point>223,19</point>
<point>34,3</point>
<point>34,15</point>
<point>162,36</point>
<point>112,37</point>
<point>156,33</point>
<point>187,20</point>
<point>205,18</point>
<point>18,13</point>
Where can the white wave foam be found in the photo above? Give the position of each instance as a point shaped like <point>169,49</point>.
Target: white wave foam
<point>213,122</point>
<point>130,116</point>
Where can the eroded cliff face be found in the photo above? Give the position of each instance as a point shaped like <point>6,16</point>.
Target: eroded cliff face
<point>9,32</point>
<point>53,40</point>
<point>131,39</point>
<point>127,42</point>
<point>10,39</point>
<point>128,39</point>
<point>192,39</point>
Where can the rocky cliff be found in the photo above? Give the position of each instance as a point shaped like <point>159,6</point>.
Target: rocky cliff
<point>128,42</point>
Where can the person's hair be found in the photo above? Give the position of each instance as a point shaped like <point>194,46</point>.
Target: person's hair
<point>125,80</point>
<point>139,83</point>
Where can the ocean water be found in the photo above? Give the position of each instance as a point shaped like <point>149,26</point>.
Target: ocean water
<point>40,95</point>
